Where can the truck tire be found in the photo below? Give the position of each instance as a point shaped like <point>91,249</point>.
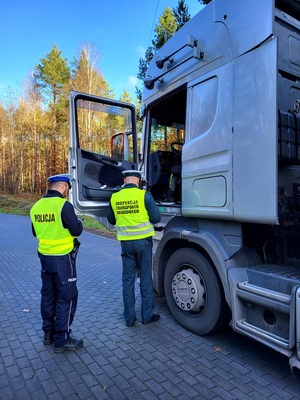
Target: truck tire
<point>194,293</point>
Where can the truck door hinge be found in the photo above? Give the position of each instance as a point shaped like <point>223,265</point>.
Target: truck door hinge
<point>73,163</point>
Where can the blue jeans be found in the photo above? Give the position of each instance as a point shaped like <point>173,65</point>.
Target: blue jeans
<point>137,256</point>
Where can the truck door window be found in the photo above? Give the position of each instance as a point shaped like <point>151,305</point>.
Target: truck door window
<point>97,125</point>
<point>103,144</point>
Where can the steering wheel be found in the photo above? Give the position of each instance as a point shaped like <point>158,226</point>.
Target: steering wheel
<point>175,151</point>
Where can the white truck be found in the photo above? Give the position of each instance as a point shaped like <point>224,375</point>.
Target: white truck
<point>221,104</point>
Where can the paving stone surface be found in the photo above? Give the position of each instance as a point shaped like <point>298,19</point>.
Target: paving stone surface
<point>156,361</point>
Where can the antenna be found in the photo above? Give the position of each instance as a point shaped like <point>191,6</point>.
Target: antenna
<point>154,18</point>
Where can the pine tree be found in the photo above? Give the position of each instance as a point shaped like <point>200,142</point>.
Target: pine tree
<point>181,14</point>
<point>51,75</point>
<point>169,22</point>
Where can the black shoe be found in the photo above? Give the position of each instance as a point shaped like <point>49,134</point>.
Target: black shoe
<point>72,345</point>
<point>130,324</point>
<point>48,338</point>
<point>155,317</point>
<point>168,201</point>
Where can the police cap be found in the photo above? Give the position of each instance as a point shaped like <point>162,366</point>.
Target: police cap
<point>132,172</point>
<point>61,178</point>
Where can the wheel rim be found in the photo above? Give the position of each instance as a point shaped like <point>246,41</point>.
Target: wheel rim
<point>188,290</point>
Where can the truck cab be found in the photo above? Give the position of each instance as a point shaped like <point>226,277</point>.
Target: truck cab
<point>221,115</point>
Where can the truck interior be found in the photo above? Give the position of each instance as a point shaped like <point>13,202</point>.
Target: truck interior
<point>167,135</point>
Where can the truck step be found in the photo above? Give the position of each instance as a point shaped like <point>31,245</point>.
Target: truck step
<point>259,334</point>
<point>264,297</point>
<point>263,304</point>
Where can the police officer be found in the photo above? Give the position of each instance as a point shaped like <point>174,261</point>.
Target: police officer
<point>56,227</point>
<point>133,211</point>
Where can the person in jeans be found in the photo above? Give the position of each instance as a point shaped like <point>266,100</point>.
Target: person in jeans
<point>134,212</point>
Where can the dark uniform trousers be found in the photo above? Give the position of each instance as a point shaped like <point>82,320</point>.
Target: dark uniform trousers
<point>59,295</point>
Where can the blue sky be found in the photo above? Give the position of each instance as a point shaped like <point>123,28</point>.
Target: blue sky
<point>119,30</point>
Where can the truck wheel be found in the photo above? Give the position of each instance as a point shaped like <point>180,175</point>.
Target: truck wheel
<point>194,293</point>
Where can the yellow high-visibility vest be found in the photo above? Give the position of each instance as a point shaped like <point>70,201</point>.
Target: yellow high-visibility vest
<point>132,220</point>
<point>52,237</point>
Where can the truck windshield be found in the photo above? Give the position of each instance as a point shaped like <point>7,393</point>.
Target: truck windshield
<point>168,122</point>
<point>162,136</point>
<point>165,145</point>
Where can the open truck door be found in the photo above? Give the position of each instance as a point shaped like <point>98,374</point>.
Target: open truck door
<point>103,143</point>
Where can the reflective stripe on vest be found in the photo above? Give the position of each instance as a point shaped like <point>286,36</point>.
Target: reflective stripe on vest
<point>52,237</point>
<point>131,215</point>
<point>145,229</point>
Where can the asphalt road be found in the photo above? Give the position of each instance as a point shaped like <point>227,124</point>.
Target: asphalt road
<point>156,361</point>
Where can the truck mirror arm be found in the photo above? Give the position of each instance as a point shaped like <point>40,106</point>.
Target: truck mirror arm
<point>192,42</point>
<point>160,62</point>
<point>149,81</point>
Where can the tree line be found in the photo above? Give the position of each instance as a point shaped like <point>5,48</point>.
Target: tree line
<point>34,129</point>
